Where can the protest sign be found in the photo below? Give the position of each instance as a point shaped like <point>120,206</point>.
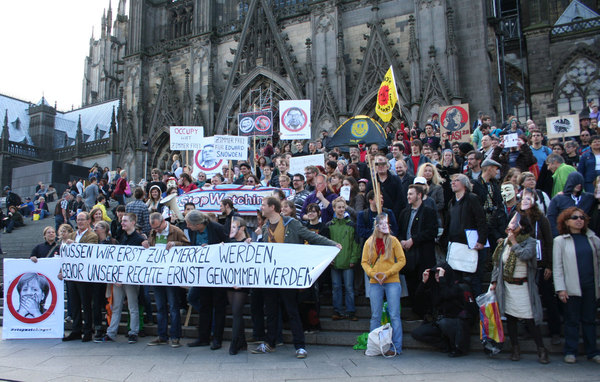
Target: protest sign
<point>297,164</point>
<point>255,123</point>
<point>455,122</point>
<point>563,126</point>
<point>511,140</point>
<point>229,147</point>
<point>246,199</point>
<point>34,299</point>
<point>205,159</point>
<point>294,119</point>
<point>256,265</point>
<point>186,137</point>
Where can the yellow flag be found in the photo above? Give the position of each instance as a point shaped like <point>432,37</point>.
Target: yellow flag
<point>387,96</point>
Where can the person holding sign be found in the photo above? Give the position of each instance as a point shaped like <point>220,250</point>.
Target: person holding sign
<point>519,156</point>
<point>168,236</point>
<point>119,291</point>
<point>513,280</point>
<point>283,229</point>
<point>205,300</point>
<point>81,292</point>
<point>382,260</point>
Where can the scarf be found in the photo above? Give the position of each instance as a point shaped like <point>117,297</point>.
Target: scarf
<point>511,262</point>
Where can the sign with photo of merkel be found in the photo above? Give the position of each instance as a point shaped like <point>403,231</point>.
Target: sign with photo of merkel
<point>256,123</point>
<point>294,119</point>
<point>34,299</point>
<point>454,120</point>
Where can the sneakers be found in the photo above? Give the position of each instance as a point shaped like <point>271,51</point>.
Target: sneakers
<point>175,343</point>
<point>337,316</point>
<point>157,341</point>
<point>301,353</point>
<point>132,339</point>
<point>595,358</point>
<point>570,358</point>
<point>263,349</point>
<point>104,338</point>
<point>98,337</point>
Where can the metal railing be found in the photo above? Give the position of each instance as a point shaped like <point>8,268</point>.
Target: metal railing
<point>576,26</point>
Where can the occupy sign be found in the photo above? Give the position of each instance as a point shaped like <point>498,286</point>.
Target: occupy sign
<point>186,137</point>
<point>246,199</point>
<point>256,265</point>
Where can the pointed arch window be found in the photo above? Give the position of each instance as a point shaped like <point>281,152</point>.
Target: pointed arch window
<point>579,82</point>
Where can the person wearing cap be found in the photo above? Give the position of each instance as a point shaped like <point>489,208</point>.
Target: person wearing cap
<point>584,120</point>
<point>465,213</point>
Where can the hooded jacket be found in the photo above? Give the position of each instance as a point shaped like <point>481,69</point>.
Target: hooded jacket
<point>559,203</point>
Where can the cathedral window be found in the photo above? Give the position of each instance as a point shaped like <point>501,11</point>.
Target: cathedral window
<point>579,81</point>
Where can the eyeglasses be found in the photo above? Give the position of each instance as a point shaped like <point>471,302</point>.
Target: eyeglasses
<point>576,217</point>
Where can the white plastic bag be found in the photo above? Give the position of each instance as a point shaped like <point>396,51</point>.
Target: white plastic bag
<point>380,341</point>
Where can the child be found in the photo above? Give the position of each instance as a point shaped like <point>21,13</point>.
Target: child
<point>341,230</point>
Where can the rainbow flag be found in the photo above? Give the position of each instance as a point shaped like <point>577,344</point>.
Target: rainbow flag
<point>490,323</point>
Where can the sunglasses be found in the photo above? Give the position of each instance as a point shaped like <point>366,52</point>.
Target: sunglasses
<point>576,217</point>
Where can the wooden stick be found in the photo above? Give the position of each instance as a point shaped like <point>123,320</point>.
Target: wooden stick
<point>254,154</point>
<point>188,315</point>
<point>376,188</point>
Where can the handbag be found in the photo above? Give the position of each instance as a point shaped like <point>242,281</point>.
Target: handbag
<point>491,331</point>
<point>380,341</point>
<point>461,258</point>
<point>128,191</point>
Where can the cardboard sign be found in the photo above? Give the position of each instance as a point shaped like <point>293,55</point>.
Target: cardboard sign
<point>258,123</point>
<point>511,140</point>
<point>186,137</point>
<point>454,120</point>
<point>230,147</point>
<point>294,119</point>
<point>206,160</point>
<point>256,265</point>
<point>297,164</point>
<point>563,126</point>
<point>246,199</point>
<point>34,299</point>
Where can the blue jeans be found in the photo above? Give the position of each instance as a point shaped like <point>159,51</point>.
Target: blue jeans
<point>581,310</point>
<point>162,296</point>
<point>392,292</point>
<point>347,277</point>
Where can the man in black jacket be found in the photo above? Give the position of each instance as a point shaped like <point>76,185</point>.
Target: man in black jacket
<point>452,315</point>
<point>418,230</point>
<point>487,189</point>
<point>465,213</point>
<point>202,231</point>
<point>390,186</point>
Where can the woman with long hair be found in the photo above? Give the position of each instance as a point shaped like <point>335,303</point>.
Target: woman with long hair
<point>96,215</point>
<point>434,182</point>
<point>448,166</point>
<point>352,170</point>
<point>382,260</point>
<point>267,172</point>
<point>102,229</point>
<point>153,202</point>
<point>513,176</point>
<point>513,279</point>
<point>288,208</point>
<point>529,206</point>
<point>575,265</point>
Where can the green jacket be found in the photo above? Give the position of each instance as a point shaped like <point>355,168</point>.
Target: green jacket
<point>560,178</point>
<point>343,231</point>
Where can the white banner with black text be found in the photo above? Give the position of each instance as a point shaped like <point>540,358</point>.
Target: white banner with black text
<point>255,265</point>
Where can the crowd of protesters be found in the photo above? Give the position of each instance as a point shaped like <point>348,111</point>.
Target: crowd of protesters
<point>534,207</point>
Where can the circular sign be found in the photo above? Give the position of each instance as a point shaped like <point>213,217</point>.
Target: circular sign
<point>294,119</point>
<point>200,162</point>
<point>359,128</point>
<point>262,123</point>
<point>33,320</point>
<point>454,118</point>
<point>246,125</point>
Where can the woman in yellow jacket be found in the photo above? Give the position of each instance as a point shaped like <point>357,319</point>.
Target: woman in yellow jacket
<point>382,260</point>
